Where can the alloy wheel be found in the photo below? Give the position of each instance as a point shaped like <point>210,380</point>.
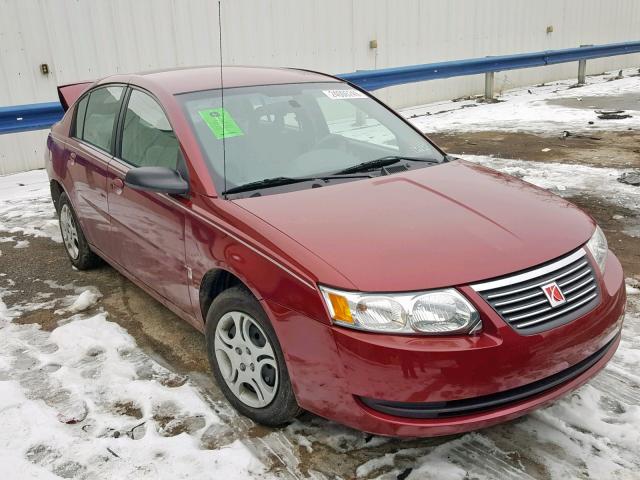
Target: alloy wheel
<point>69,232</point>
<point>246,359</point>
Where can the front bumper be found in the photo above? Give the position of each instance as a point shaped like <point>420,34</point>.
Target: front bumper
<point>347,375</point>
<point>468,406</point>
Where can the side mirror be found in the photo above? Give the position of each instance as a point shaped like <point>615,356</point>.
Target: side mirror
<point>156,179</point>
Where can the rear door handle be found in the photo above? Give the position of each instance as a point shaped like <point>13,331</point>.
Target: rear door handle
<point>72,158</point>
<point>117,185</point>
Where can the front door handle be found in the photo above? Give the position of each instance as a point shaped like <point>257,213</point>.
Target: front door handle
<point>72,158</point>
<point>117,185</point>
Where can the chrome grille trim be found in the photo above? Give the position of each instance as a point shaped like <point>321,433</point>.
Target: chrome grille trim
<point>581,294</point>
<point>538,272</point>
<point>571,280</point>
<point>524,307</point>
<point>578,287</point>
<point>582,265</point>
<point>548,317</point>
<point>519,299</point>
<point>521,302</point>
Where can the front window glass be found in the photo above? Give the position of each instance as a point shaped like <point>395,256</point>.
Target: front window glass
<point>295,130</point>
<point>147,137</point>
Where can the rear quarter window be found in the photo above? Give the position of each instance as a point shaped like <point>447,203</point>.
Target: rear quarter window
<point>78,124</point>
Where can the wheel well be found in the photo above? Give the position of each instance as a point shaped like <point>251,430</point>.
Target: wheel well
<point>56,191</point>
<point>213,284</point>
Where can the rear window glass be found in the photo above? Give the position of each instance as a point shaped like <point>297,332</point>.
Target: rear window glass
<point>101,112</point>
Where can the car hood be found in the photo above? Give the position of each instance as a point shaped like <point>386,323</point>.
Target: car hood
<point>445,225</point>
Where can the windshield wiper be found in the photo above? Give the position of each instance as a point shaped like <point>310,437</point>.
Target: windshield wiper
<point>383,162</point>
<point>361,167</point>
<point>279,181</point>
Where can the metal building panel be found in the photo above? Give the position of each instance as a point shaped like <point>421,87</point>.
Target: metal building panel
<point>88,39</point>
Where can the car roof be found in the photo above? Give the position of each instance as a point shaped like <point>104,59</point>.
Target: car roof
<point>192,79</point>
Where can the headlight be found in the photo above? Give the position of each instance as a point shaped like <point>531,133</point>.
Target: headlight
<point>597,245</point>
<point>438,312</point>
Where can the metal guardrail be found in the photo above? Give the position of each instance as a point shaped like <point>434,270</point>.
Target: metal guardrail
<point>37,116</point>
<point>387,77</point>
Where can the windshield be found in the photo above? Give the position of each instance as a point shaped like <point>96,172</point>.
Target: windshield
<point>296,130</point>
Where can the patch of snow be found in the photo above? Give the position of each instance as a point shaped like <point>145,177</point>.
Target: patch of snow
<point>443,462</point>
<point>633,286</point>
<point>364,470</point>
<point>21,244</point>
<point>87,299</point>
<point>521,111</point>
<point>590,419</point>
<point>333,435</point>
<point>26,206</point>
<point>56,285</point>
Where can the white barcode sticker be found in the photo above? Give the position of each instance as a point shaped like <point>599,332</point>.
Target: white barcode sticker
<point>343,94</point>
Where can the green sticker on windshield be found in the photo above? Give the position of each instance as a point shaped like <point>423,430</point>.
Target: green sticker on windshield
<point>216,118</point>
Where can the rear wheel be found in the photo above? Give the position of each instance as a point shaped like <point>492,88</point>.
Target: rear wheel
<point>246,359</point>
<point>73,238</point>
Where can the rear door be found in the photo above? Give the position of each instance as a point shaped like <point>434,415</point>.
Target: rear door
<point>89,151</point>
<point>147,228</point>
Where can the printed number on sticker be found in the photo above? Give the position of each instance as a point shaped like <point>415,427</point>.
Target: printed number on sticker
<point>343,94</point>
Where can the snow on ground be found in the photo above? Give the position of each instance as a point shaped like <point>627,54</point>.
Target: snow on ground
<point>74,304</point>
<point>534,109</point>
<point>25,207</point>
<point>84,401</point>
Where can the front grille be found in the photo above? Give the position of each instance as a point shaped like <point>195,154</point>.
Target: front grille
<point>521,302</point>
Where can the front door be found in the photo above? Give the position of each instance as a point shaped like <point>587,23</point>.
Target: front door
<point>147,228</point>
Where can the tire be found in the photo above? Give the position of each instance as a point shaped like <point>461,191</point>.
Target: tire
<point>75,243</point>
<point>237,321</point>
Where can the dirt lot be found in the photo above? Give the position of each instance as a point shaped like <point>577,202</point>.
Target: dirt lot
<point>601,149</point>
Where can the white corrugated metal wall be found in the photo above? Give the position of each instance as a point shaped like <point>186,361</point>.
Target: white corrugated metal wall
<point>88,39</point>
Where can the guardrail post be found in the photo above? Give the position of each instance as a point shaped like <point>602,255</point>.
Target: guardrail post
<point>582,69</point>
<point>488,86</point>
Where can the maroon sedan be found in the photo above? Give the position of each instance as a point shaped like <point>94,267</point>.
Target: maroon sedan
<point>336,260</point>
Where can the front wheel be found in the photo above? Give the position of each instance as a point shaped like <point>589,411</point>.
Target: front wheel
<point>74,240</point>
<point>246,359</point>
